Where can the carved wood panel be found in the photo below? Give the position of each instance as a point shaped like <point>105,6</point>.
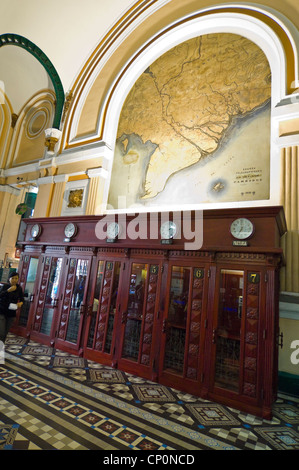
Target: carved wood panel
<point>147,336</point>
<point>67,299</point>
<point>251,334</point>
<point>195,320</point>
<point>42,294</point>
<point>104,306</point>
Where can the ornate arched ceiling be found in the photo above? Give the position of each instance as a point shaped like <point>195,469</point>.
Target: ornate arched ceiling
<point>73,35</point>
<point>99,80</point>
<point>64,33</point>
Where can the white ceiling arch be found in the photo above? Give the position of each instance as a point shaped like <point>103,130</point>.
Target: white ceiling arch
<point>241,24</point>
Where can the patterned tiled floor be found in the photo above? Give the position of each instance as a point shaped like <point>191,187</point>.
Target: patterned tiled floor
<point>52,400</point>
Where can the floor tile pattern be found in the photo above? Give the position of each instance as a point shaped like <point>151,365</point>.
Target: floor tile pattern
<point>211,414</point>
<point>7,436</point>
<point>50,399</point>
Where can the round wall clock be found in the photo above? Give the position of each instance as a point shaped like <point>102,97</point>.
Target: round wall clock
<point>168,230</point>
<point>241,229</point>
<point>70,230</point>
<point>113,230</point>
<point>35,230</point>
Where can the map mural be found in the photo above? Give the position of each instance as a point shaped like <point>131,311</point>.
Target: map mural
<point>195,127</point>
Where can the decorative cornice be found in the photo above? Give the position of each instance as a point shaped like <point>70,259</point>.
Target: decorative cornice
<point>241,256</point>
<point>45,180</point>
<point>94,172</point>
<point>9,189</point>
<point>61,178</point>
<point>87,152</point>
<point>20,170</point>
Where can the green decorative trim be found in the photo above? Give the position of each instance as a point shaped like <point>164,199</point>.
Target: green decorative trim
<point>10,39</point>
<point>288,383</point>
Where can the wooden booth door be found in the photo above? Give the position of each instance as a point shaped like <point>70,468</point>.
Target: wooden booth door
<point>139,313</point>
<point>29,283</point>
<point>73,300</point>
<point>183,330</point>
<point>237,338</point>
<point>44,316</point>
<point>103,309</point>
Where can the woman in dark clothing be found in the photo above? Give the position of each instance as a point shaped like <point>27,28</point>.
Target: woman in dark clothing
<point>11,298</point>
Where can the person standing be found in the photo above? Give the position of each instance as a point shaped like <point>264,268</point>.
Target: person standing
<point>11,298</point>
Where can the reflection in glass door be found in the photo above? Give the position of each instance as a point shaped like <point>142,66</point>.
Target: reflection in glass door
<point>72,309</point>
<point>94,306</point>
<point>103,308</point>
<point>139,318</point>
<point>112,310</point>
<point>175,325</point>
<point>77,300</point>
<point>45,306</point>
<point>28,291</point>
<point>227,333</point>
<point>133,319</point>
<point>51,298</point>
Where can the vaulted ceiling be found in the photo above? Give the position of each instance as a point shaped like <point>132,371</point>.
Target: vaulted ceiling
<point>65,32</point>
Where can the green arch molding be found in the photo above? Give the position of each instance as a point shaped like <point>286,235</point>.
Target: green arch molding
<point>10,39</point>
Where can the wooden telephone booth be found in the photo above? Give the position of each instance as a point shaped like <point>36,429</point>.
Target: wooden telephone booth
<point>202,319</point>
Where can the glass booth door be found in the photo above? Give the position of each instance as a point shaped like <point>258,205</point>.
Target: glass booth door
<point>103,309</point>
<point>29,286</point>
<point>44,316</point>
<point>139,312</point>
<point>227,330</point>
<point>73,299</point>
<point>183,331</point>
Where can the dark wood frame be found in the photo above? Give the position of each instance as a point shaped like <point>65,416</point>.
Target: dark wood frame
<point>262,254</point>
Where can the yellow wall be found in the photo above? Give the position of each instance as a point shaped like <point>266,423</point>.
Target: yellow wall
<point>9,223</point>
<point>80,166</point>
<point>290,330</point>
<point>43,200</point>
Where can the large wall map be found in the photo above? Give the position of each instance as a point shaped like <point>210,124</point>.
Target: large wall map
<point>195,127</point>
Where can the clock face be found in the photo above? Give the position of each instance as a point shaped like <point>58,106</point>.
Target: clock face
<point>70,230</point>
<point>241,229</point>
<point>168,230</point>
<point>35,230</point>
<point>113,230</point>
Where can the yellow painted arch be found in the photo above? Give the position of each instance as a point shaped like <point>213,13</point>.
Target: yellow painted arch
<point>125,22</point>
